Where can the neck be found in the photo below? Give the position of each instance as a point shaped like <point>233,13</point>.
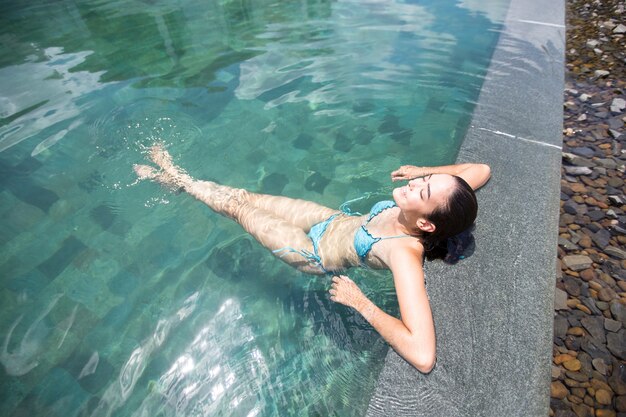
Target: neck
<point>406,225</point>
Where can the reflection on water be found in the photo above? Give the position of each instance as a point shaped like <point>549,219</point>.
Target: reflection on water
<point>220,370</point>
<point>122,299</point>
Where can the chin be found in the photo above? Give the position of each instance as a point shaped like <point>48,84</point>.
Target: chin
<point>397,195</point>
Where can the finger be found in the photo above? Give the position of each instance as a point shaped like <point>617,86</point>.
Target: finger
<point>336,279</point>
<point>346,278</point>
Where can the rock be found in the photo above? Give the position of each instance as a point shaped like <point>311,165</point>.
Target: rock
<point>615,252</point>
<point>600,365</point>
<point>560,327</point>
<point>577,376</point>
<point>556,372</point>
<point>560,302</point>
<point>577,262</point>
<point>615,133</point>
<point>615,182</point>
<point>572,286</point>
<point>606,294</point>
<point>603,397</point>
<point>603,412</point>
<point>617,380</point>
<point>582,410</point>
<point>595,327</point>
<point>591,305</point>
<point>588,274</point>
<point>567,244</point>
<point>576,331</point>
<point>564,413</point>
<point>617,105</point>
<point>607,163</point>
<point>576,160</point>
<point>618,311</point>
<point>572,365</point>
<point>601,238</point>
<point>577,170</point>
<point>583,151</point>
<point>570,207</point>
<point>583,308</point>
<point>582,118</point>
<point>600,73</point>
<point>620,403</point>
<point>599,383</point>
<point>619,29</point>
<point>558,390</point>
<point>595,215</point>
<point>591,43</point>
<point>612,325</point>
<point>563,357</point>
<point>615,200</point>
<point>616,343</point>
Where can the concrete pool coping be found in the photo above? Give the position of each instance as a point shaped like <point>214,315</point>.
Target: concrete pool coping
<point>494,310</point>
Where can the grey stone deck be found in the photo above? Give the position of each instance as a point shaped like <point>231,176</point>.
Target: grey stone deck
<point>494,310</point>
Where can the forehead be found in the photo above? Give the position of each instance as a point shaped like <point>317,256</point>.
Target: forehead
<point>441,184</point>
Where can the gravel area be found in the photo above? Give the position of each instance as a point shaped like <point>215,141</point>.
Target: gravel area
<point>589,351</point>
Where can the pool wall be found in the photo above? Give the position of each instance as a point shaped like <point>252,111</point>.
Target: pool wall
<point>494,310</point>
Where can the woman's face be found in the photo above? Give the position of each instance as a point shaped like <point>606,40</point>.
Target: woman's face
<point>421,195</point>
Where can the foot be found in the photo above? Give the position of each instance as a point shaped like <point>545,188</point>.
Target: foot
<point>145,172</point>
<point>160,156</point>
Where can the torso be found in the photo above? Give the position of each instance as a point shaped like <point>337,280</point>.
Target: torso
<point>337,245</point>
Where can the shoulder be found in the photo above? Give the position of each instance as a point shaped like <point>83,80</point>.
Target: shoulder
<point>407,252</point>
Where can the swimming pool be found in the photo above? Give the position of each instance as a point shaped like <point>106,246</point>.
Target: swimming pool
<point>125,299</point>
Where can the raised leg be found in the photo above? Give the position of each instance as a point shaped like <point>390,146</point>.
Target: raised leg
<point>301,213</point>
<point>269,230</point>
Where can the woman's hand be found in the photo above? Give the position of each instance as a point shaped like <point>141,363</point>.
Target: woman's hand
<point>344,291</point>
<point>407,172</point>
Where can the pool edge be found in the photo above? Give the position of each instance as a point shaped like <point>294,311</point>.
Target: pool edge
<point>497,362</point>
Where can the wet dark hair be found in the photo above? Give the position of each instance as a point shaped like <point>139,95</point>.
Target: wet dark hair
<point>452,218</point>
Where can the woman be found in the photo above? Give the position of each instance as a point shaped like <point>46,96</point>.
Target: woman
<point>395,235</point>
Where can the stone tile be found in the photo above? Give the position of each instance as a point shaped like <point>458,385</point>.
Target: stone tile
<point>103,215</point>
<point>90,369</point>
<point>54,265</point>
<point>57,391</point>
<point>125,282</point>
<point>31,193</point>
<point>29,283</point>
<point>274,183</point>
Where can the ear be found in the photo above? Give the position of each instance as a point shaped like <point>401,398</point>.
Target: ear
<point>425,225</point>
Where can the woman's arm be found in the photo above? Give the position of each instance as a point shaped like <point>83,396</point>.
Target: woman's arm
<point>413,337</point>
<point>476,175</point>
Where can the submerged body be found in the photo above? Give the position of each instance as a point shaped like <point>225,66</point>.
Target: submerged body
<point>320,240</point>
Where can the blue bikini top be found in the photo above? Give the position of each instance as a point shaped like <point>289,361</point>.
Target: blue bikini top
<point>363,239</point>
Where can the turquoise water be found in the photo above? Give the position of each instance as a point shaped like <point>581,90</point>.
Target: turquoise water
<point>124,299</point>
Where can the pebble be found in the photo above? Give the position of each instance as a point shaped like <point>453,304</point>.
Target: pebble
<point>612,325</point>
<point>577,170</point>
<point>558,390</point>
<point>603,412</point>
<point>618,104</point>
<point>572,365</point>
<point>599,365</point>
<point>620,403</point>
<point>615,252</point>
<point>577,262</point>
<point>603,397</point>
<point>589,328</point>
